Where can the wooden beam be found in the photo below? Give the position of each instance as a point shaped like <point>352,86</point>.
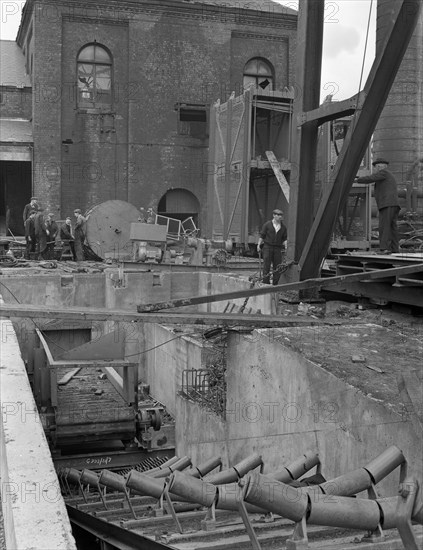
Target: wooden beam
<point>168,318</point>
<point>278,173</point>
<point>332,110</point>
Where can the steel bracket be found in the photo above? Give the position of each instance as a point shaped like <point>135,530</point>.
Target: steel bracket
<point>406,500</point>
<point>172,509</point>
<point>299,540</point>
<point>209,521</point>
<point>242,487</point>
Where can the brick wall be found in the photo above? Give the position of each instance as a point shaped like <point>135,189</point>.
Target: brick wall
<point>164,53</point>
<point>15,102</point>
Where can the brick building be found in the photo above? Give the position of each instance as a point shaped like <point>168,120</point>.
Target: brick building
<point>118,95</point>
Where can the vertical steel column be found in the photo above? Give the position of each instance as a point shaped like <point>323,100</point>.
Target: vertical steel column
<point>304,137</point>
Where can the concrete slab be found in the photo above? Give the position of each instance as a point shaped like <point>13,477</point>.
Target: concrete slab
<point>34,511</point>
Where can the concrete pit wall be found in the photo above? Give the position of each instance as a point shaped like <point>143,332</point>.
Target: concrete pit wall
<point>33,509</point>
<point>279,404</point>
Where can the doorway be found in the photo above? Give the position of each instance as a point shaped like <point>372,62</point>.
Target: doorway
<point>15,193</point>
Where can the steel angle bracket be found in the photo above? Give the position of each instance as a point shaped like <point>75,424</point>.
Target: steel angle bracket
<point>242,487</point>
<point>209,521</point>
<point>406,500</point>
<point>172,509</point>
<point>299,540</point>
<point>377,535</point>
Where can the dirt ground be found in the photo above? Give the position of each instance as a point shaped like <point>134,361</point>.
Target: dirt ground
<point>372,351</point>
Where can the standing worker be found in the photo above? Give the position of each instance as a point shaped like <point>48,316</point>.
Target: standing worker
<point>33,205</point>
<point>79,235</point>
<point>386,195</point>
<point>272,239</point>
<point>30,235</point>
<point>53,229</point>
<point>66,235</point>
<point>41,234</point>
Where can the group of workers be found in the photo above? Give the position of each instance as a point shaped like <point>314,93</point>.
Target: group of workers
<point>42,232</point>
<point>273,235</point>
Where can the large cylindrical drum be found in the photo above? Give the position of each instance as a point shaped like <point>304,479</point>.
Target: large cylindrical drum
<point>275,497</point>
<point>88,477</point>
<point>192,489</point>
<point>303,464</point>
<point>348,484</point>
<point>385,463</point>
<point>145,485</point>
<point>112,480</point>
<point>348,513</point>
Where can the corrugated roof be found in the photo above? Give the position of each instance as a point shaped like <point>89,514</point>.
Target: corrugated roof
<point>15,130</point>
<point>258,5</point>
<point>12,65</point>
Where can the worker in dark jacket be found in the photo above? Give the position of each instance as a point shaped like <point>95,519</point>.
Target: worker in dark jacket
<point>33,205</point>
<point>271,244</point>
<point>52,229</point>
<point>386,195</point>
<point>41,234</point>
<point>30,234</point>
<point>66,235</point>
<point>79,233</point>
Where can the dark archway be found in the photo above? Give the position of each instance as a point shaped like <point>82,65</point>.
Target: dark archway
<point>179,204</point>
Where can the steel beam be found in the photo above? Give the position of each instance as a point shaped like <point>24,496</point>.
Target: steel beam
<point>376,90</point>
<point>112,534</point>
<point>304,136</point>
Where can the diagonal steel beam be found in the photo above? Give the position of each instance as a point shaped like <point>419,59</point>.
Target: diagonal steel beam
<point>376,90</point>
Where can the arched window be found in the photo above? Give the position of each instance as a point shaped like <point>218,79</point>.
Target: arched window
<point>259,73</point>
<point>94,69</point>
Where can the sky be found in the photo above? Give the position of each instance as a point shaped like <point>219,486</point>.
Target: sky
<point>343,48</point>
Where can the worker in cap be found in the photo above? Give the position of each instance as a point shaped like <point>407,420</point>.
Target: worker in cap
<point>386,195</point>
<point>271,245</point>
<point>33,205</point>
<point>79,235</point>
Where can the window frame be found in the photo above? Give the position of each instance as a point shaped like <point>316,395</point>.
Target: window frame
<point>94,103</point>
<point>257,76</point>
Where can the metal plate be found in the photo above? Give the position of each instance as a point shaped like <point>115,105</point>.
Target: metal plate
<point>108,228</point>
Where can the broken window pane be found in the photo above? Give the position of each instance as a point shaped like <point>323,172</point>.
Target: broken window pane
<point>94,77</point>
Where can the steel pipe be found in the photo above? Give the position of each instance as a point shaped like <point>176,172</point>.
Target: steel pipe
<point>180,464</point>
<point>192,489</point>
<point>236,472</point>
<point>345,512</point>
<point>332,511</point>
<point>88,477</point>
<point>112,481</point>
<point>385,463</point>
<point>73,476</point>
<point>204,468</point>
<point>228,497</point>
<point>164,465</point>
<point>348,484</point>
<point>275,496</point>
<point>296,469</point>
<point>145,485</point>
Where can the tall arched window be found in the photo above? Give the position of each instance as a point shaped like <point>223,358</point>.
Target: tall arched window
<point>94,69</point>
<point>259,73</point>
